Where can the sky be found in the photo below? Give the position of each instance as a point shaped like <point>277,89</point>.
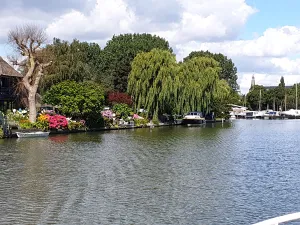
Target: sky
<point>262,37</point>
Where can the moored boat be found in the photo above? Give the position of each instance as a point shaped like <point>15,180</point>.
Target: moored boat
<point>193,118</point>
<point>32,134</point>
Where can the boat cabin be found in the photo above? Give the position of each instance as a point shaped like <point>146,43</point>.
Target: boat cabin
<point>195,114</point>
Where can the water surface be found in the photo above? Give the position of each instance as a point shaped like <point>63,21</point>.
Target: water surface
<point>237,173</point>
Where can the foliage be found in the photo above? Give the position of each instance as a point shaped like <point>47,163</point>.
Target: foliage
<point>107,118</point>
<point>253,97</point>
<point>25,124</point>
<point>150,82</point>
<point>223,96</point>
<point>93,120</point>
<point>119,53</point>
<point>228,70</point>
<point>1,133</point>
<point>119,98</point>
<point>75,125</point>
<point>77,61</point>
<point>42,122</point>
<point>16,116</point>
<point>76,99</point>
<point>195,85</point>
<point>140,122</point>
<point>123,110</point>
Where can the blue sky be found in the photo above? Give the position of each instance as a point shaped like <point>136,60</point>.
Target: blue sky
<point>271,13</point>
<point>261,36</point>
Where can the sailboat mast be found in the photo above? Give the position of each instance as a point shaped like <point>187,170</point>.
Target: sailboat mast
<point>296,97</point>
<point>285,102</point>
<point>259,100</point>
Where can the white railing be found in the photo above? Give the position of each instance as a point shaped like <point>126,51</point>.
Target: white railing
<point>280,219</point>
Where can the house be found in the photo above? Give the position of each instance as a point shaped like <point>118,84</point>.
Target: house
<point>9,78</point>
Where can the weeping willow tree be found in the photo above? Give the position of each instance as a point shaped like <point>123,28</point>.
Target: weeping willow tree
<point>195,84</point>
<point>222,97</point>
<point>151,81</point>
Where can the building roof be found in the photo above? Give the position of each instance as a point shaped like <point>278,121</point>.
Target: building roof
<point>273,87</point>
<point>8,70</point>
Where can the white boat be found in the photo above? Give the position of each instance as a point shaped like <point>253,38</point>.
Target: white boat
<point>193,118</point>
<point>291,112</point>
<point>32,134</point>
<point>280,219</point>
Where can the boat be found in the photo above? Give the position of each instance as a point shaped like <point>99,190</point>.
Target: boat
<point>32,134</point>
<point>280,219</point>
<point>193,118</point>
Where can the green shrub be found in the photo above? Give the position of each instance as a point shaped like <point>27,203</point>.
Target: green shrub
<point>94,120</point>
<point>122,110</point>
<point>26,124</point>
<point>1,133</point>
<point>140,122</point>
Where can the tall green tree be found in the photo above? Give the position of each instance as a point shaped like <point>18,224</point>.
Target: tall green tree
<point>228,70</point>
<point>195,84</point>
<point>151,81</point>
<point>76,99</point>
<point>223,96</point>
<point>119,53</point>
<point>253,97</point>
<point>280,93</point>
<point>77,61</point>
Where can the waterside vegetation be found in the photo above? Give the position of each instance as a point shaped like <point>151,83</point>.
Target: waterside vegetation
<point>135,77</point>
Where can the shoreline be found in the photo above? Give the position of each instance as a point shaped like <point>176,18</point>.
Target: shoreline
<point>57,132</point>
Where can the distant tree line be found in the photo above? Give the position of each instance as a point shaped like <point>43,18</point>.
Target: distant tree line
<point>275,98</point>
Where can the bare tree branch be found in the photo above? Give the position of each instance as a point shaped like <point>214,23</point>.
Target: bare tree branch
<point>28,40</point>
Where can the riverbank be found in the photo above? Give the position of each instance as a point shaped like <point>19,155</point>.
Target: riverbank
<point>13,133</point>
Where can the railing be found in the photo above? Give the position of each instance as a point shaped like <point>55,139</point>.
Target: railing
<point>280,219</point>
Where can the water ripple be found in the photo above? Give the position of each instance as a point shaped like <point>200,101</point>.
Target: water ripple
<point>237,173</point>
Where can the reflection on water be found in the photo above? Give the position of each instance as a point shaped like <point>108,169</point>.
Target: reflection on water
<point>237,173</point>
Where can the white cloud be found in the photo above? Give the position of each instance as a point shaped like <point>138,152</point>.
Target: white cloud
<point>275,42</point>
<point>194,20</point>
<point>189,25</point>
<point>106,18</point>
<point>204,20</point>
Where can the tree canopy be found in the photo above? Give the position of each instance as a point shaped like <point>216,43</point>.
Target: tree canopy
<point>160,85</point>
<point>77,61</point>
<point>228,70</point>
<point>76,99</point>
<point>151,81</point>
<point>119,53</point>
<point>253,97</point>
<point>195,84</point>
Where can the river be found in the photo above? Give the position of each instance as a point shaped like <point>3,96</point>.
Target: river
<point>237,173</point>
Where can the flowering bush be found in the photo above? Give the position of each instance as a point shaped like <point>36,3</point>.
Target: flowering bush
<point>58,122</point>
<point>25,124</point>
<point>107,113</point>
<point>42,122</point>
<point>135,116</point>
<point>74,125</point>
<point>119,98</point>
<point>108,117</point>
